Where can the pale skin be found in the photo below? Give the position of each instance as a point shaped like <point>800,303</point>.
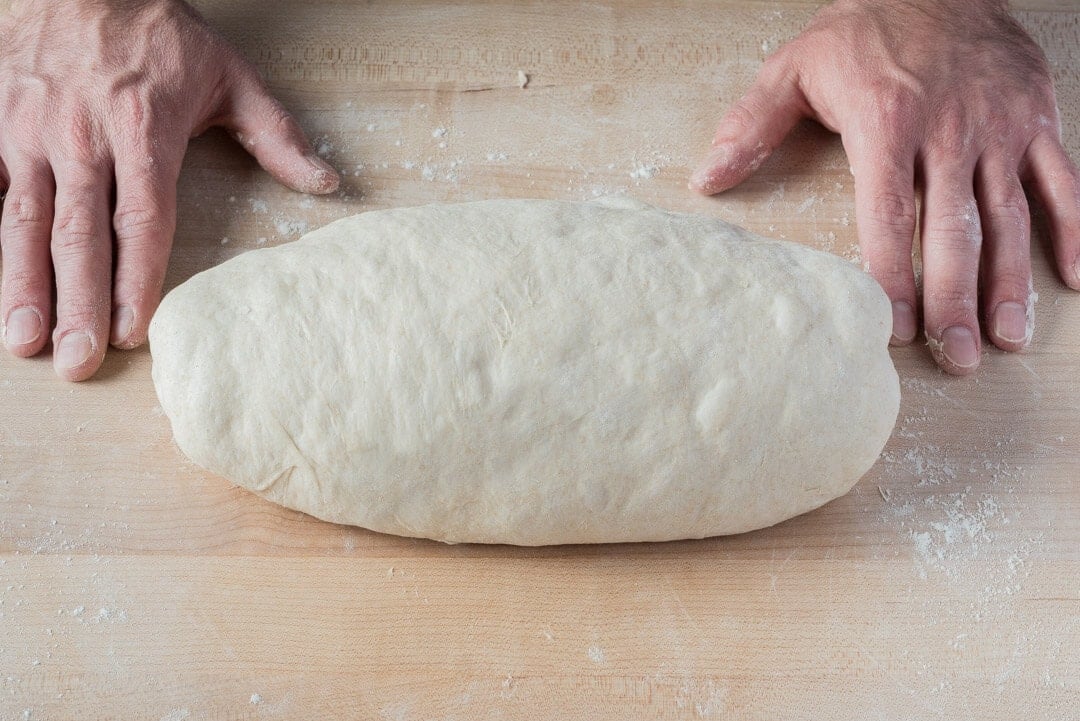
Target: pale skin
<point>98,99</point>
<point>947,98</point>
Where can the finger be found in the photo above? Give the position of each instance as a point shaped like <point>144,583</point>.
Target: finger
<point>82,261</point>
<point>270,133</point>
<point>752,129</point>
<point>885,215</point>
<point>26,296</point>
<point>1006,225</point>
<point>1057,183</point>
<point>951,243</point>
<point>144,223</point>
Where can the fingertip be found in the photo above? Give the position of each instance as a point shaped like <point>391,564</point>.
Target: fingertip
<point>1073,280</point>
<point>323,178</point>
<point>304,173</point>
<point>24,332</point>
<point>1057,182</point>
<point>751,129</point>
<point>273,136</point>
<point>905,323</point>
<point>123,332</point>
<point>726,166</point>
<point>76,355</point>
<point>1011,326</point>
<point>708,178</point>
<point>956,351</point>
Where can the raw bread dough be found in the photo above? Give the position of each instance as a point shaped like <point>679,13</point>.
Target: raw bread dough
<point>532,372</point>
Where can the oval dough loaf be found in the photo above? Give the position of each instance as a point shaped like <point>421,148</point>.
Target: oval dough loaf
<point>532,372</point>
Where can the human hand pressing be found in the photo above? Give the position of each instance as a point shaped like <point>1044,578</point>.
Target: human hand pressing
<point>947,98</point>
<point>98,99</point>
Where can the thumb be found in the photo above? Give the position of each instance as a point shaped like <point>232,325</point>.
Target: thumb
<point>752,129</point>
<point>271,134</point>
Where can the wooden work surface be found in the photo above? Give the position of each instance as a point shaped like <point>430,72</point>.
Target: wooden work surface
<point>945,585</point>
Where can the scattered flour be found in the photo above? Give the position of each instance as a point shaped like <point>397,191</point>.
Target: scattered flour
<point>290,227</point>
<point>962,531</point>
<point>806,204</point>
<point>112,615</point>
<point>177,714</point>
<point>707,699</point>
<point>644,172</point>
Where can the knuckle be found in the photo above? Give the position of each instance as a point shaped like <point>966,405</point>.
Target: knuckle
<point>996,125</point>
<point>141,117</point>
<point>81,136</point>
<point>890,101</point>
<point>138,223</point>
<point>280,123</point>
<point>279,116</point>
<point>953,134</point>
<point>1070,179</point>
<point>886,125</point>
<point>1009,214</point>
<point>895,211</point>
<point>778,64</point>
<point>75,231</point>
<point>955,236</point>
<point>739,118</point>
<point>1011,195</point>
<point>954,223</point>
<point>134,105</point>
<point>24,211</point>
<point>892,106</point>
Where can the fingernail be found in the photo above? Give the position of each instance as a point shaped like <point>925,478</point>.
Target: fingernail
<point>705,177</point>
<point>122,321</point>
<point>958,347</point>
<point>904,327</point>
<point>23,326</point>
<point>1010,322</point>
<point>74,349</point>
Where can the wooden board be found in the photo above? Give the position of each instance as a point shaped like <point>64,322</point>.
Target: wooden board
<point>945,585</point>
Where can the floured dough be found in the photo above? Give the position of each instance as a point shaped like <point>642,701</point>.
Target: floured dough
<point>532,372</point>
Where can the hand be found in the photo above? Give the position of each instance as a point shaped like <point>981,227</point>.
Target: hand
<point>98,99</point>
<point>949,98</point>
